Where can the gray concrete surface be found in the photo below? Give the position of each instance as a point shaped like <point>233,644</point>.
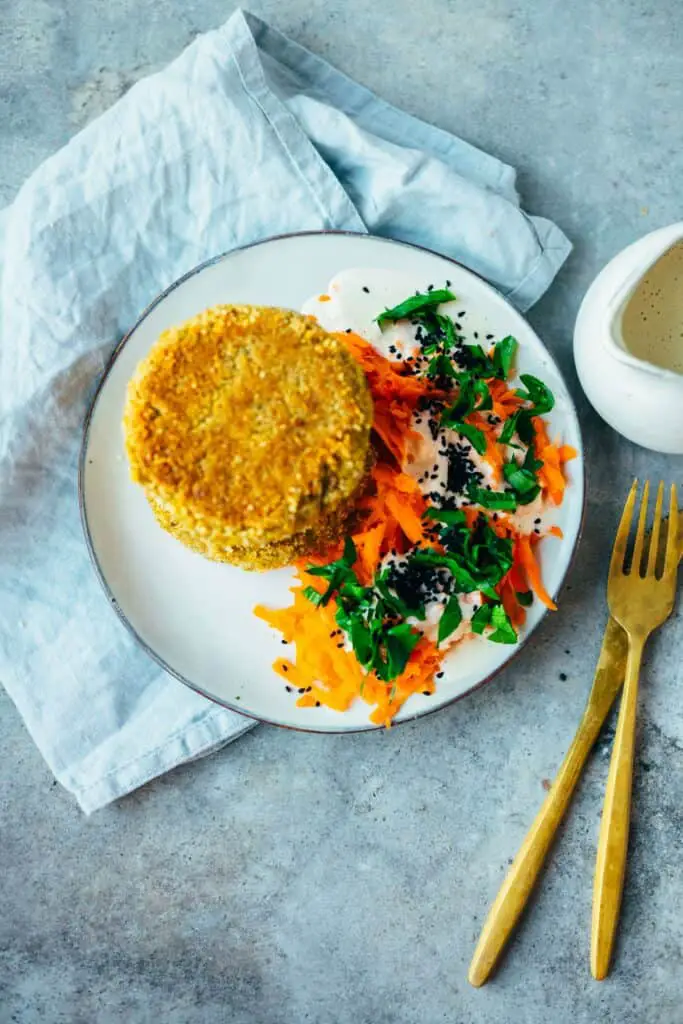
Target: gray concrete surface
<point>343,880</point>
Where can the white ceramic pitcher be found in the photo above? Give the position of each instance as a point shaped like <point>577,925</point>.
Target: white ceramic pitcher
<point>642,401</point>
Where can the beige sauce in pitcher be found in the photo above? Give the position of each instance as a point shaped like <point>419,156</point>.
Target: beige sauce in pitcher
<point>652,322</point>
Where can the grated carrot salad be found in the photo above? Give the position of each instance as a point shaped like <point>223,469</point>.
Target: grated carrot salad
<point>325,669</point>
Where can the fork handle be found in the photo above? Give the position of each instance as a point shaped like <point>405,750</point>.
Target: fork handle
<point>610,865</point>
<point>521,878</point>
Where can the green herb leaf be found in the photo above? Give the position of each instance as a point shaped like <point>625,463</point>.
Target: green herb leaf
<point>448,329</point>
<point>500,500</point>
<point>450,516</point>
<point>537,393</point>
<point>350,554</point>
<point>464,580</point>
<point>474,435</point>
<point>362,641</point>
<point>509,428</point>
<point>531,463</point>
<point>525,597</point>
<point>521,480</point>
<point>415,304</point>
<point>451,617</point>
<point>441,366</point>
<point>504,632</point>
<point>321,570</point>
<point>333,585</point>
<point>482,392</point>
<point>464,403</point>
<point>481,619</point>
<point>503,357</point>
<point>396,604</point>
<point>400,642</point>
<point>312,595</point>
<point>525,428</point>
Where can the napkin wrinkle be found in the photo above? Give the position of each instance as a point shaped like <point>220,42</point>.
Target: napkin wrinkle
<point>245,135</point>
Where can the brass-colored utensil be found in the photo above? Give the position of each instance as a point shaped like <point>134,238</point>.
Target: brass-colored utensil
<point>524,871</point>
<point>640,598</point>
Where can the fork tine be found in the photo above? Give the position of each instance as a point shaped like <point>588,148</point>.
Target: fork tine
<point>640,533</point>
<point>672,552</point>
<point>616,565</point>
<point>654,537</point>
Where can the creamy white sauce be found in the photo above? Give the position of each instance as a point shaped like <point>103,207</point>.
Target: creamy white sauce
<point>425,454</point>
<point>347,306</point>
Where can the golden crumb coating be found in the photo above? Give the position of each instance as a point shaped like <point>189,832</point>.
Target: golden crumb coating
<point>261,557</point>
<point>248,426</point>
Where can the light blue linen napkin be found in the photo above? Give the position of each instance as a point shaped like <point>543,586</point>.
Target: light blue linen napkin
<point>245,135</point>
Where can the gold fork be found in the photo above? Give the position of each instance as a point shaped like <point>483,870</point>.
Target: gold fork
<point>640,600</point>
<point>522,876</point>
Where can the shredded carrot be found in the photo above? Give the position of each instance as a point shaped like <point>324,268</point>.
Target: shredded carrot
<point>533,573</point>
<point>567,453</point>
<point>505,401</point>
<point>395,394</point>
<point>553,456</point>
<point>508,596</point>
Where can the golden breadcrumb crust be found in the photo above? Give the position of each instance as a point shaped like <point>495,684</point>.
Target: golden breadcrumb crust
<point>248,426</point>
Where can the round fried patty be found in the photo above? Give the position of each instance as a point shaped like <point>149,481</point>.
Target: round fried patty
<point>248,426</point>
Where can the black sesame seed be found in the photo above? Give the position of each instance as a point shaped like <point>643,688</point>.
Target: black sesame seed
<point>348,330</point>
<point>340,645</point>
<point>476,334</point>
<point>448,284</point>
<point>430,287</point>
<point>439,675</point>
<point>367,290</point>
<point>285,642</point>
<point>563,676</point>
<point>463,313</point>
<point>308,689</point>
<point>285,668</point>
<point>426,693</point>
<point>288,689</point>
<point>302,689</point>
<point>537,520</point>
<point>317,703</point>
<point>489,337</point>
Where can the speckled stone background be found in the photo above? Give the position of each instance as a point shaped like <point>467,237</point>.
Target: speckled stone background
<point>343,880</point>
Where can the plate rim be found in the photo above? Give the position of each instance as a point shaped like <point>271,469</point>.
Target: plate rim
<point>113,603</point>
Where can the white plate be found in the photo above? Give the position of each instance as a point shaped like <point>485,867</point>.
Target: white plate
<point>194,616</point>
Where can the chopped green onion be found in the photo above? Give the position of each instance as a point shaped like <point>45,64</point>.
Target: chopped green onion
<point>500,500</point>
<point>313,595</point>
<point>481,619</point>
<point>503,357</point>
<point>451,617</point>
<point>504,632</point>
<point>415,304</point>
<point>474,435</point>
<point>537,393</point>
